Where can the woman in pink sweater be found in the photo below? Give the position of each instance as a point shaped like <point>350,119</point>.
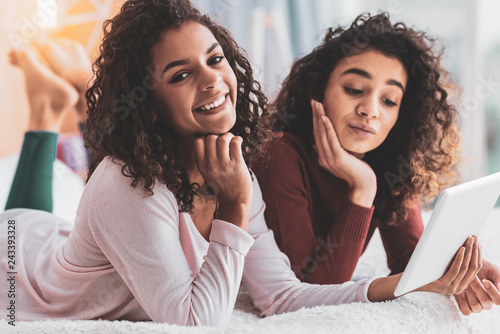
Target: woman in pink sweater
<point>171,221</point>
<point>368,134</point>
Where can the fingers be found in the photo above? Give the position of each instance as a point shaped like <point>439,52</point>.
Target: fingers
<point>490,272</point>
<point>474,265</point>
<point>470,265</point>
<point>235,152</point>
<point>455,268</point>
<point>221,164</point>
<point>319,132</point>
<point>331,134</point>
<point>213,149</point>
<point>492,291</point>
<point>199,149</point>
<point>463,304</point>
<point>465,266</point>
<point>477,296</point>
<point>223,147</point>
<point>326,139</point>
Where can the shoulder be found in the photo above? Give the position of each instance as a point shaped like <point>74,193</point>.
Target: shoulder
<point>286,143</point>
<point>110,188</point>
<point>108,178</point>
<point>412,223</point>
<point>285,151</point>
<point>284,170</point>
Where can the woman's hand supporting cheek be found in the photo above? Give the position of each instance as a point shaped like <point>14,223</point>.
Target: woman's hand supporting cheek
<point>220,162</point>
<point>334,158</point>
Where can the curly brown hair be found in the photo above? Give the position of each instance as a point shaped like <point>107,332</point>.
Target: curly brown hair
<point>120,117</point>
<point>418,159</point>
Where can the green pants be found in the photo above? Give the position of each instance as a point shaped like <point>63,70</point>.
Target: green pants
<point>32,184</point>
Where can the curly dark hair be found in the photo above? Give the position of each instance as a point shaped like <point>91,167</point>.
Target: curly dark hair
<point>418,159</point>
<point>120,117</point>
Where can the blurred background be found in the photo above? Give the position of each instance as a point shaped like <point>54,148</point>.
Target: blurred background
<point>274,33</point>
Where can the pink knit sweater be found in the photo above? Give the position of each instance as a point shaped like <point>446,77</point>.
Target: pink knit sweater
<point>133,256</point>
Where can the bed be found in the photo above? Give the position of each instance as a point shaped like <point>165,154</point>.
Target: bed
<point>414,313</point>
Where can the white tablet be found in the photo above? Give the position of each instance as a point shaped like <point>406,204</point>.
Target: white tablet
<point>461,211</point>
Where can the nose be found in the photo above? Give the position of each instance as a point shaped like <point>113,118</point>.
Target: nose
<point>368,107</point>
<point>210,79</point>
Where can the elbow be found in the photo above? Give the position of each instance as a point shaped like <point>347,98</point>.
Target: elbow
<point>191,316</point>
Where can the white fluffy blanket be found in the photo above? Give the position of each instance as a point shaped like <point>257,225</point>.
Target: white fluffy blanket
<point>413,313</point>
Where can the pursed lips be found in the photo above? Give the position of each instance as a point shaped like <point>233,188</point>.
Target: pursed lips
<point>365,128</point>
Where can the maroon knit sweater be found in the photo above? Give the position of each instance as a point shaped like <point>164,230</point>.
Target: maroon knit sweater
<point>316,225</point>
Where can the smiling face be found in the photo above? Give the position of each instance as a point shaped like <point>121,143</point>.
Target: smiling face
<point>196,93</point>
<point>362,99</point>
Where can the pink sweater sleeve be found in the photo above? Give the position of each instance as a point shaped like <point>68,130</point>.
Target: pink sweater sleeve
<point>139,235</point>
<point>272,284</point>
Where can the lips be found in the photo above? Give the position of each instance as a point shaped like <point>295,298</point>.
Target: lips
<point>213,103</point>
<point>363,127</point>
<point>363,130</point>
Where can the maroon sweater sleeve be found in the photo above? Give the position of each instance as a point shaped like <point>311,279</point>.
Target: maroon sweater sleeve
<point>400,240</point>
<point>346,239</point>
<point>286,190</point>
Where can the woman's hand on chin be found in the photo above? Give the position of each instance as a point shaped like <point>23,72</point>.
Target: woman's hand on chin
<point>220,162</point>
<point>335,159</point>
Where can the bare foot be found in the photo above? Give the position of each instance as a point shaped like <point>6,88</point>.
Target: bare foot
<point>49,95</point>
<point>69,60</point>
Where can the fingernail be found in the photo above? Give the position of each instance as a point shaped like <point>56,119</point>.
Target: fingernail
<point>486,284</point>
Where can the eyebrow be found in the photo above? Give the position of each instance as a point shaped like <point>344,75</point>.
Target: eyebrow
<point>367,75</point>
<point>181,62</point>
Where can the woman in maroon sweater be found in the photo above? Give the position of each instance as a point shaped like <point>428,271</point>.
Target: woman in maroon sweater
<point>382,139</point>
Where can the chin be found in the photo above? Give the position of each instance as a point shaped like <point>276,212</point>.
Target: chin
<point>356,154</point>
<point>220,129</point>
<point>357,150</point>
<point>229,125</point>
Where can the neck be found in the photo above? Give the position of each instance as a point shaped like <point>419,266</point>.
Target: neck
<point>188,160</point>
<point>360,156</point>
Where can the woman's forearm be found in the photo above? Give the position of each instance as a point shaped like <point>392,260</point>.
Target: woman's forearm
<point>383,288</point>
<point>237,214</point>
